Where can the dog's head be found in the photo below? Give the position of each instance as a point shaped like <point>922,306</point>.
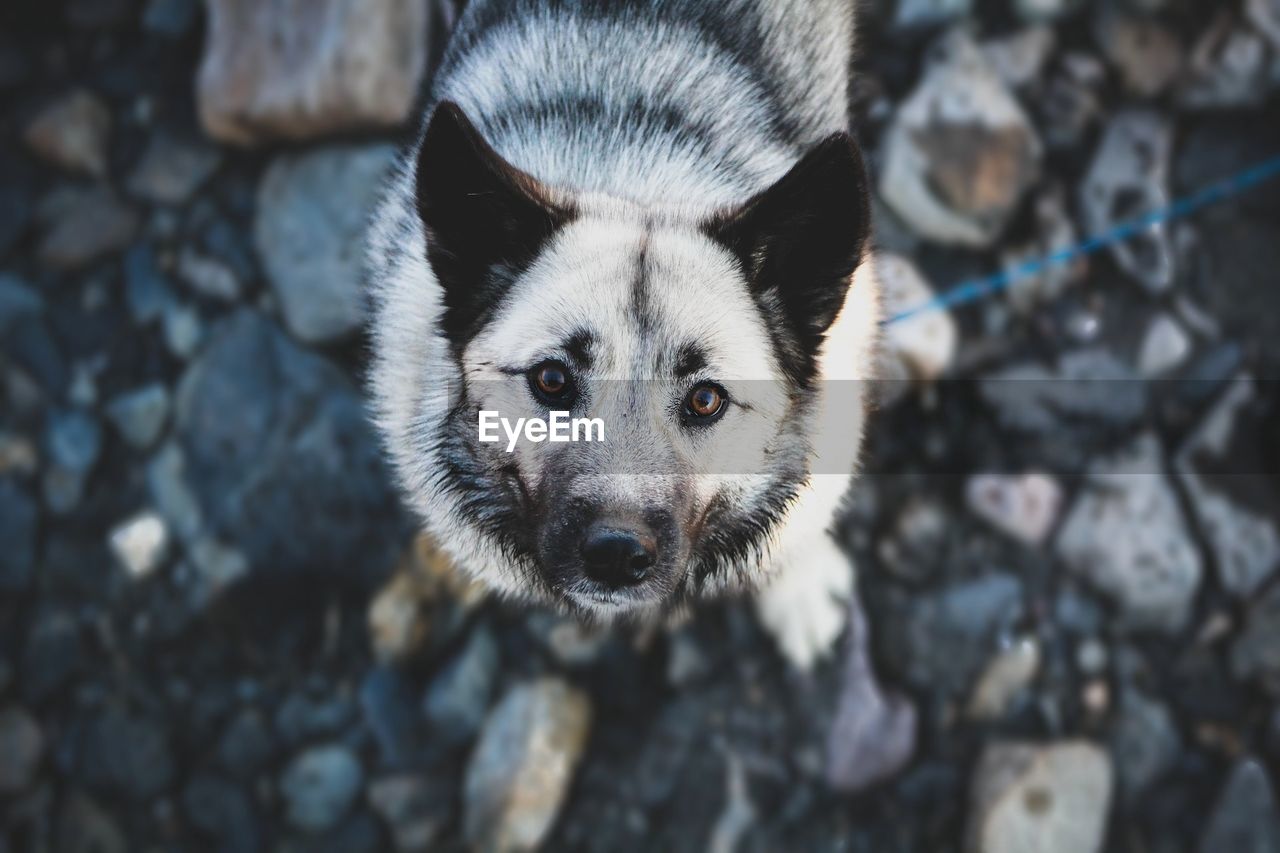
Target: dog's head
<point>693,340</point>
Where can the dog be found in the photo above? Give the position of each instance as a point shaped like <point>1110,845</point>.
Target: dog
<point>651,214</point>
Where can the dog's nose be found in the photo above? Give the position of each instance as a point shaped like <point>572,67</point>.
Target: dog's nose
<point>617,556</point>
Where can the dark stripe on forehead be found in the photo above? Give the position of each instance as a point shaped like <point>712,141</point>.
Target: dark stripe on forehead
<point>690,360</point>
<point>642,310</point>
<point>579,347</point>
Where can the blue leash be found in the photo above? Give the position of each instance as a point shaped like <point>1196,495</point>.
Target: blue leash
<point>981,288</point>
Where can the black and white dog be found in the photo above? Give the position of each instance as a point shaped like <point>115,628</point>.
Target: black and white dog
<point>650,213</point>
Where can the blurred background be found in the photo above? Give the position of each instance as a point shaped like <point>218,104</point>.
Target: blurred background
<point>218,632</point>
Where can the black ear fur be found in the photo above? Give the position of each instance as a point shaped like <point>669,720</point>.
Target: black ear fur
<point>799,242</point>
<point>485,219</point>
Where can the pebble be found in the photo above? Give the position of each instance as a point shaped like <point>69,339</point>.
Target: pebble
<point>147,291</point>
<point>208,276</point>
<point>389,708</point>
<point>1025,506</point>
<point>309,230</point>
<point>171,18</point>
<point>1089,385</point>
<point>1147,53</point>
<point>126,754</point>
<point>925,343</point>
<point>459,695</point>
<point>19,302</point>
<point>521,768</point>
<point>167,485</point>
<point>303,718</point>
<point>83,225</point>
<point>1055,232</point>
<point>269,72</point>
<point>183,330</point>
<point>246,745</point>
<point>140,544</point>
<point>1223,468</point>
<point>913,14</point>
<point>319,785</point>
<point>1019,59</point>
<point>1230,66</point>
<point>1144,742</point>
<point>82,825</point>
<point>18,523</point>
<point>415,809</point>
<point>1129,177</point>
<point>171,169</point>
<point>221,810</point>
<point>140,416</point>
<point>1005,678</point>
<point>1245,819</point>
<point>51,656</point>
<point>1050,798</point>
<point>960,152</point>
<point>1165,347</point>
<point>1256,652</point>
<point>1040,11</point>
<point>21,749</point>
<point>73,132</point>
<point>1126,535</point>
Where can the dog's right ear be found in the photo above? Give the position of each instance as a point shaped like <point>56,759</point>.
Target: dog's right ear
<point>485,219</point>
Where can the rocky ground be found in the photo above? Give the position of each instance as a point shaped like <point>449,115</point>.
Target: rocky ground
<point>1068,537</point>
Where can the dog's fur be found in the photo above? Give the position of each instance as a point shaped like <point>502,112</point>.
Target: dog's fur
<point>656,193</point>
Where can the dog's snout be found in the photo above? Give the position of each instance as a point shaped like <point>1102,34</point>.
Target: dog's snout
<point>618,555</point>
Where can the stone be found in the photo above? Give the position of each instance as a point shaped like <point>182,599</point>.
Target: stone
<point>873,734</point>
<point>19,302</point>
<point>738,814</point>
<point>1085,386</point>
<point>82,825</point>
<point>218,567</point>
<point>220,810</point>
<point>208,276</point>
<point>1165,347</point>
<point>246,745</point>
<point>1224,468</point>
<point>302,718</point>
<point>176,502</point>
<point>83,225</point>
<point>1072,102</point>
<point>520,770</point>
<point>913,14</point>
<point>415,810</point>
<point>390,709</point>
<point>1126,535</point>
<point>171,18</point>
<point>458,697</point>
<point>140,544</point>
<point>1265,17</point>
<point>1052,798</point>
<point>1147,54</point>
<point>1129,178</point>
<point>297,69</point>
<point>19,516</point>
<point>1005,678</point>
<point>171,169</point>
<point>1040,11</point>
<point>960,152</point>
<point>1245,819</point>
<point>140,416</point>
<point>183,330</point>
<point>1230,66</point>
<point>1025,507</point>
<point>1144,742</point>
<point>309,229</point>
<point>1255,654</point>
<point>269,430</point>
<point>1019,59</point>
<point>147,291</point>
<point>926,342</point>
<point>122,754</point>
<point>51,656</point>
<point>319,785</point>
<point>914,548</point>
<point>21,749</point>
<point>73,440</point>
<point>73,132</point>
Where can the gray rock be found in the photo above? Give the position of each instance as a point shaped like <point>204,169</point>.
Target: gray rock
<point>171,18</point>
<point>301,718</point>
<point>1230,66</point>
<point>246,745</point>
<point>1025,507</point>
<point>1144,742</point>
<point>458,698</point>
<point>1051,799</point>
<point>21,748</point>
<point>73,132</point>
<point>873,734</point>
<point>140,544</point>
<point>147,290</point>
<point>1165,346</point>
<point>73,439</point>
<point>172,169</point>
<point>1265,17</point>
<point>269,430</point>
<point>1127,536</point>
<point>220,810</point>
<point>296,69</point>
<point>1085,386</point>
<point>319,785</point>
<point>51,655</point>
<point>521,768</point>
<point>83,225</point>
<point>124,754</point>
<point>1032,283</point>
<point>167,484</point>
<point>208,276</point>
<point>1004,679</point>
<point>415,809</point>
<point>960,152</point>
<point>1245,819</point>
<point>1147,53</point>
<point>139,416</point>
<point>1040,11</point>
<point>925,343</point>
<point>82,825</point>
<point>1129,178</point>
<point>911,14</point>
<point>183,330</point>
<point>18,519</point>
<point>1235,500</point>
<point>19,302</point>
<point>1256,652</point>
<point>1020,58</point>
<point>310,235</point>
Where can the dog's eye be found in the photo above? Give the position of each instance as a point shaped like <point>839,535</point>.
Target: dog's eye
<point>705,401</point>
<point>551,382</point>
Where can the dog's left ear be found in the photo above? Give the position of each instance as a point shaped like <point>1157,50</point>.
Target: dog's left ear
<point>800,240</point>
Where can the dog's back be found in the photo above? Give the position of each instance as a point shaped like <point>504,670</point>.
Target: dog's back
<point>657,101</point>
